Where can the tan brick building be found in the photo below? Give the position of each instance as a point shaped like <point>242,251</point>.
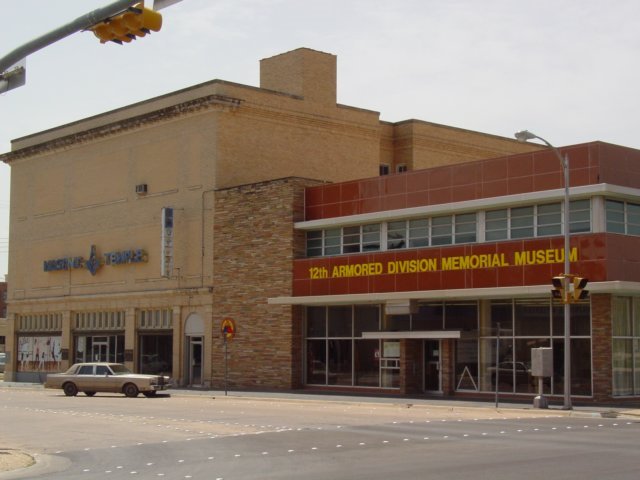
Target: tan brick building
<point>135,232</point>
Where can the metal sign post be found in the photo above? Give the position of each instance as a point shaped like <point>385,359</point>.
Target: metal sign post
<point>228,330</point>
<point>497,362</point>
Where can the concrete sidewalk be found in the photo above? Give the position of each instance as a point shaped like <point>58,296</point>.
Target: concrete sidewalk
<point>611,410</point>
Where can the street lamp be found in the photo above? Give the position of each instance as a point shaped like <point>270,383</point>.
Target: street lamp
<point>523,136</point>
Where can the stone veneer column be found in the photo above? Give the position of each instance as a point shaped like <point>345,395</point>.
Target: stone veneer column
<point>410,366</point>
<point>447,366</point>
<point>129,338</point>
<point>178,345</point>
<point>601,329</point>
<point>254,244</point>
<point>66,341</point>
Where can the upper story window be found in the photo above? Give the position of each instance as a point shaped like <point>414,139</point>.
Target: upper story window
<point>335,241</point>
<point>444,230</point>
<point>502,224</point>
<point>402,167</point>
<point>384,169</point>
<point>623,217</point>
<point>536,220</point>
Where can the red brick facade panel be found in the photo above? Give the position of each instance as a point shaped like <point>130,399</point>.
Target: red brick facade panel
<point>515,174</point>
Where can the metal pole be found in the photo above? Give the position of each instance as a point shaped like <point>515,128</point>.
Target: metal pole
<point>80,23</point>
<point>224,335</point>
<point>497,362</point>
<point>523,136</point>
<point>567,270</point>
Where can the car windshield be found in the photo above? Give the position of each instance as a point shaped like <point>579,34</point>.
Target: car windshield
<point>119,369</point>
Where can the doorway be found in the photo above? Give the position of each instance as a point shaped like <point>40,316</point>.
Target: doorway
<point>432,378</point>
<point>195,361</point>
<point>100,349</point>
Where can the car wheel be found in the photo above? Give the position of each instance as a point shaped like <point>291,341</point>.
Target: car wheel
<point>149,394</point>
<point>89,394</point>
<point>70,389</point>
<point>130,390</point>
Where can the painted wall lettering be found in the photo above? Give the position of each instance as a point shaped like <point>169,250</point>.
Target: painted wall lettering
<point>458,262</point>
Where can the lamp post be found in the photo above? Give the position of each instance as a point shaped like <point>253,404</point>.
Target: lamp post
<point>523,136</point>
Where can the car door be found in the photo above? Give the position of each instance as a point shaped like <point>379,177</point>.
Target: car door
<point>86,378</point>
<point>107,380</point>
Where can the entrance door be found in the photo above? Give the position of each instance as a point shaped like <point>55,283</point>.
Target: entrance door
<point>100,349</point>
<point>195,361</point>
<point>432,366</point>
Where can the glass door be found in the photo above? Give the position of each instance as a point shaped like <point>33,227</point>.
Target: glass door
<point>195,361</point>
<point>100,349</point>
<point>432,366</point>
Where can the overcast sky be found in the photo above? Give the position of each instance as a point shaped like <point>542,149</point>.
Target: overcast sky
<point>566,70</point>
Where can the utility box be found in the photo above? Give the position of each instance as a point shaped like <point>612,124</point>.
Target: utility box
<point>542,362</point>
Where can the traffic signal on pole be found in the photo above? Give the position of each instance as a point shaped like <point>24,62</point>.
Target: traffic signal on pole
<point>137,21</point>
<point>559,290</point>
<point>579,293</point>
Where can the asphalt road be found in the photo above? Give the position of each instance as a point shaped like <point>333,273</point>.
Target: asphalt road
<point>203,437</point>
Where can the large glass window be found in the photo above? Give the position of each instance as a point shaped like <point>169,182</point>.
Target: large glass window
<point>526,324</point>
<point>625,317</point>
<point>336,353</point>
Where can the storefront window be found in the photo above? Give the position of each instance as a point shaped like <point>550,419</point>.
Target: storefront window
<point>340,321</point>
<point>532,318</point>
<point>367,363</point>
<point>366,319</point>
<point>340,362</point>
<point>626,345</point>
<point>156,354</point>
<point>523,380</point>
<point>336,354</point>
<point>317,362</point>
<point>466,365</point>
<point>99,348</point>
<point>430,316</point>
<point>316,321</point>
<point>461,316</point>
<point>533,321</point>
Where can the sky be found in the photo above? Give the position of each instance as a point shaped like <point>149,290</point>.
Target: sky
<point>566,70</point>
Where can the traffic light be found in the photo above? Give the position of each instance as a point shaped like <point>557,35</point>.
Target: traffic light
<point>559,291</point>
<point>579,293</point>
<point>137,21</point>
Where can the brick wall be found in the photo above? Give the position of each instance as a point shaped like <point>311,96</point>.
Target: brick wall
<point>601,346</point>
<point>411,369</point>
<point>254,245</point>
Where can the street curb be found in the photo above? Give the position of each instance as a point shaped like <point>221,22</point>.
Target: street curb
<point>44,464</point>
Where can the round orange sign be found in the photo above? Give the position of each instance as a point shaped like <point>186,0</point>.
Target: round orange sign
<point>228,328</point>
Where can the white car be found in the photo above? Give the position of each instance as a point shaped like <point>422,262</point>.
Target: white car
<point>106,377</point>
